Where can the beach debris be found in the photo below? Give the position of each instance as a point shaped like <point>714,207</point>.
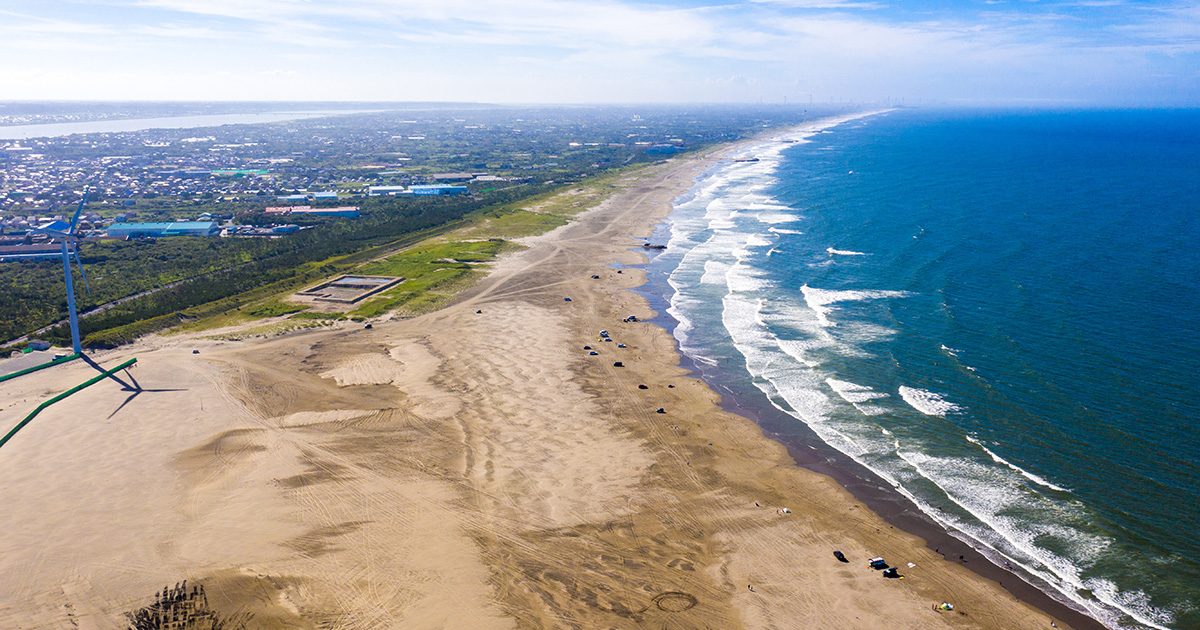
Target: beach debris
<point>618,271</point>
<point>784,511</point>
<point>593,353</point>
<point>609,339</point>
<point>368,327</point>
<point>620,345</point>
<point>840,556</point>
<point>618,364</point>
<point>566,299</point>
<point>945,606</point>
<point>195,352</point>
<point>604,333</point>
<point>892,572</point>
<point>595,277</point>
<point>911,565</point>
<point>478,312</point>
<point>670,387</point>
<point>643,386</point>
<point>877,563</point>
<point>660,410</point>
<point>587,347</point>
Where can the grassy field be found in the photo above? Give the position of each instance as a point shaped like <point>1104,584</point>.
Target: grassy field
<point>436,264</point>
<point>434,272</point>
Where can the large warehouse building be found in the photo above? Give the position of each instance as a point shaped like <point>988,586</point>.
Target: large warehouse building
<point>160,230</point>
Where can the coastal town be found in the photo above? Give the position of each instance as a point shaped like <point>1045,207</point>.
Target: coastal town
<point>174,217</point>
<point>201,182</point>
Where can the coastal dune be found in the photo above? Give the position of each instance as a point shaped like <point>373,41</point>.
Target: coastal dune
<point>475,467</point>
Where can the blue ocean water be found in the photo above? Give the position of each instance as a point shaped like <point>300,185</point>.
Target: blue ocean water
<point>996,312</point>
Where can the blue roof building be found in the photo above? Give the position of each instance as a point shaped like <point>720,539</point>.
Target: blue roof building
<point>162,230</point>
<point>437,189</point>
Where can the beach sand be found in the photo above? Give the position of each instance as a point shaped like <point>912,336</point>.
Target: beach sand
<point>470,468</point>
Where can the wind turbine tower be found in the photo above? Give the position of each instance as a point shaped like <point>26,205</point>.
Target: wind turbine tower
<point>70,246</point>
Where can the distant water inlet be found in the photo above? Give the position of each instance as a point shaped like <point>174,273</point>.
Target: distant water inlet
<point>25,132</point>
<point>953,301</point>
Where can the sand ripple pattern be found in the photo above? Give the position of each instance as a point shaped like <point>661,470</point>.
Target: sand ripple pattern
<point>542,446</point>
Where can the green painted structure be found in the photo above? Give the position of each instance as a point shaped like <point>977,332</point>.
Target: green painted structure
<point>103,375</point>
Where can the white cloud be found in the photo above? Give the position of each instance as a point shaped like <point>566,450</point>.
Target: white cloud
<point>605,49</point>
<point>822,4</point>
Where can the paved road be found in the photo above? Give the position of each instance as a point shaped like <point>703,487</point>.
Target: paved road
<point>27,360</point>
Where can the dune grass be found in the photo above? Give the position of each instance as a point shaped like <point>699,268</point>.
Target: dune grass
<point>437,264</point>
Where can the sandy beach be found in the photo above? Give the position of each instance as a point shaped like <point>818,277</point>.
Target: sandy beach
<point>470,468</point>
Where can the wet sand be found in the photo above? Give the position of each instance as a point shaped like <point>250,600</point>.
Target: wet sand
<point>470,468</point>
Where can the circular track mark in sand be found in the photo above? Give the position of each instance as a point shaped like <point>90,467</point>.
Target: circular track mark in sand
<point>674,601</point>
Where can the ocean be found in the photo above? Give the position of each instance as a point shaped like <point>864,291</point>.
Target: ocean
<point>996,313</point>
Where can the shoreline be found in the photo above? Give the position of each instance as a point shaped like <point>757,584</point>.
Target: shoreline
<point>471,467</point>
<point>809,452</point>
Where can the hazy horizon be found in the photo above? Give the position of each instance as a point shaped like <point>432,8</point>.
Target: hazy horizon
<point>1070,53</point>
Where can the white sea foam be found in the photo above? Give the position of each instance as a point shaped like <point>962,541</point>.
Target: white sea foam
<point>744,278</point>
<point>775,218</point>
<point>754,240</point>
<point>783,230</point>
<point>858,396</point>
<point>842,252</point>
<point>760,206</point>
<point>927,402</point>
<point>1024,473</point>
<point>819,300</point>
<point>722,223</point>
<point>954,353</point>
<point>714,272</point>
<point>679,311</point>
<point>799,349</point>
<point>703,359</point>
<point>852,392</point>
<point>986,494</point>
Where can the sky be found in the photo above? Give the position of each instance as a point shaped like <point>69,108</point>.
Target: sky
<point>1040,52</point>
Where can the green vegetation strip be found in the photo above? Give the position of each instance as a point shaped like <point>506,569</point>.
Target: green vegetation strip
<point>38,367</point>
<point>63,395</point>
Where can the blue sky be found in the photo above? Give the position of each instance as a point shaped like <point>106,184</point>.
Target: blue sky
<point>1080,52</point>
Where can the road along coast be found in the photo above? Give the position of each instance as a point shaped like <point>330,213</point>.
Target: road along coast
<point>475,467</point>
